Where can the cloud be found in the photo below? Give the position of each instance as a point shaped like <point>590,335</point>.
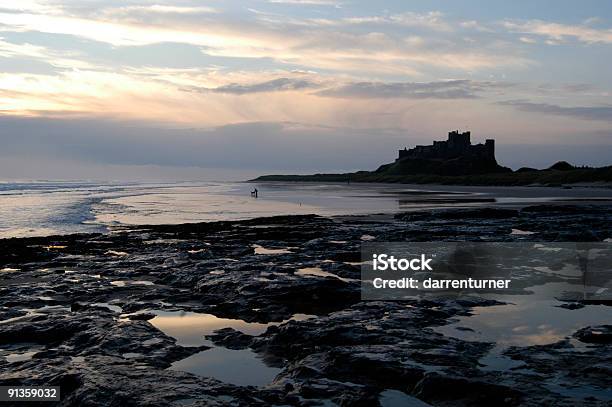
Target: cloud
<point>308,2</point>
<point>29,6</point>
<point>91,92</point>
<point>66,60</point>
<point>476,26</point>
<point>574,89</point>
<point>433,20</point>
<point>592,21</point>
<point>274,85</point>
<point>452,89</point>
<point>388,44</point>
<point>158,8</point>
<point>449,89</point>
<point>556,32</point>
<point>112,26</point>
<point>154,11</point>
<point>598,113</point>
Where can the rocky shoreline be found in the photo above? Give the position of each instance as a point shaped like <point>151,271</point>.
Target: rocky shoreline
<point>77,311</point>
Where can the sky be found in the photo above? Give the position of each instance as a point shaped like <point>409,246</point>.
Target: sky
<point>185,89</point>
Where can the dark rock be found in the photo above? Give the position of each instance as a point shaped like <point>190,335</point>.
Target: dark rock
<point>230,338</point>
<point>348,352</point>
<point>596,334</point>
<point>141,316</point>
<point>450,390</point>
<point>571,305</point>
<point>464,328</point>
<point>478,213</point>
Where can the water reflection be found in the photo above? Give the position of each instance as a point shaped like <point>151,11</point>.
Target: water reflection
<point>318,272</point>
<point>262,250</point>
<point>396,398</point>
<point>190,328</point>
<point>20,357</point>
<point>241,367</point>
<point>525,320</point>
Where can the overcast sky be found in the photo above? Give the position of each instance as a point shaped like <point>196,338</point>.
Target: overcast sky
<point>228,89</point>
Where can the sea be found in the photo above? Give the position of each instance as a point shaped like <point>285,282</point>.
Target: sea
<point>43,208</point>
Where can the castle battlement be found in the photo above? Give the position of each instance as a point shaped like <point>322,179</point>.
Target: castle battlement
<point>457,145</point>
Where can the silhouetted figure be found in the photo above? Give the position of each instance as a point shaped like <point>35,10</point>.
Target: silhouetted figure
<point>254,192</point>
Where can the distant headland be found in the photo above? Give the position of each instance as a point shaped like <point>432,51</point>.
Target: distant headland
<point>459,162</point>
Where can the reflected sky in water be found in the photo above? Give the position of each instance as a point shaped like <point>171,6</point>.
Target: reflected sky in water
<point>44,208</point>
<point>526,320</point>
<point>190,328</point>
<point>242,367</point>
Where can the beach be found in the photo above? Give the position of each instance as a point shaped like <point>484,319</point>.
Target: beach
<point>43,208</point>
<point>267,310</point>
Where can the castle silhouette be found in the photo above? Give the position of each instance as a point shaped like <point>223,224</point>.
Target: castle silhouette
<point>454,156</point>
<point>458,145</point>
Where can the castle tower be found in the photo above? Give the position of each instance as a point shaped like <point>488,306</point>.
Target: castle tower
<point>490,148</point>
<point>458,141</point>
